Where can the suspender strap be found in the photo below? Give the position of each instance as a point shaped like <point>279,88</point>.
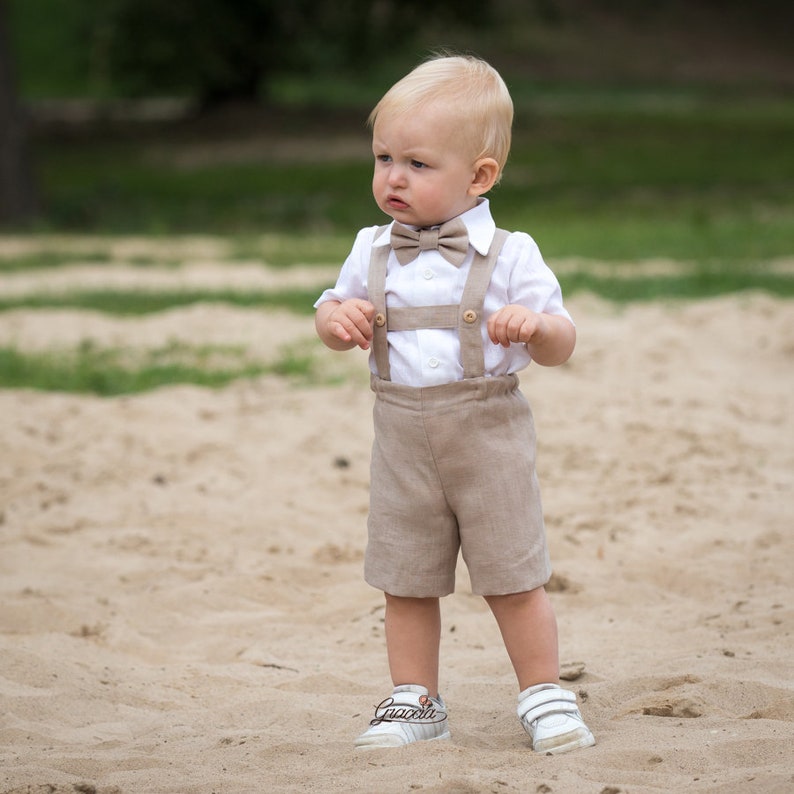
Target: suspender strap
<point>410,318</point>
<point>376,287</point>
<point>466,317</point>
<point>470,311</point>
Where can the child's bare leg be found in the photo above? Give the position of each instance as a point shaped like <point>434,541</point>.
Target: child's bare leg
<point>548,713</point>
<point>529,631</point>
<point>413,637</point>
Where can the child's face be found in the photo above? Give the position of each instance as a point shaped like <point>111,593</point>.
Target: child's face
<point>423,175</point>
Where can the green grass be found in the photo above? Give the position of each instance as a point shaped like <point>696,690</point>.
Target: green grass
<point>607,170</point>
<point>274,250</point>
<point>697,184</point>
<point>113,188</point>
<point>46,259</point>
<point>698,175</point>
<point>138,302</point>
<point>697,283</point>
<point>285,249</point>
<point>113,371</point>
<point>688,282</point>
<point>615,176</point>
<point>709,180</point>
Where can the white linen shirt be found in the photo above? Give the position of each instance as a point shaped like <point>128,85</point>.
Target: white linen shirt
<point>429,357</point>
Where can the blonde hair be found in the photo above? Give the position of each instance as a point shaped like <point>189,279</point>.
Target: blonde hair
<point>473,91</point>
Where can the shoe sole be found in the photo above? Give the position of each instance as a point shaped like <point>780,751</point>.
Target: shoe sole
<point>565,743</point>
<point>379,744</point>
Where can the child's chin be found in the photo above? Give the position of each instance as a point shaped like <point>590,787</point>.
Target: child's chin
<point>403,217</point>
<point>397,210</point>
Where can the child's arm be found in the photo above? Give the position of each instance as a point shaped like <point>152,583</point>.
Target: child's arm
<point>549,338</point>
<point>343,325</point>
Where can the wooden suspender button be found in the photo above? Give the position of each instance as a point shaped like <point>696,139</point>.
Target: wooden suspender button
<point>380,320</point>
<point>469,316</point>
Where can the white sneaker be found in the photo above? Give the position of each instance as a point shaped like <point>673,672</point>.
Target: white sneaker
<point>552,720</point>
<point>408,715</point>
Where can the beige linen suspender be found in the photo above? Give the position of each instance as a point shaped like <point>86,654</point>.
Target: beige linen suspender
<point>466,317</point>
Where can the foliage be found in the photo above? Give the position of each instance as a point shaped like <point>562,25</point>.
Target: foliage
<point>217,50</point>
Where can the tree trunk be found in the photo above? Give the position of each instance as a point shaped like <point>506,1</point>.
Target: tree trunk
<point>18,201</point>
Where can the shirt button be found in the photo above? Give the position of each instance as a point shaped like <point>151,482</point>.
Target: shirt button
<point>433,362</point>
<point>428,274</point>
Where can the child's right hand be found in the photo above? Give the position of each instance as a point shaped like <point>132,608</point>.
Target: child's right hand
<point>348,323</point>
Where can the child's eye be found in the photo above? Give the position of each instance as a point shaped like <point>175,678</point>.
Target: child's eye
<point>418,164</point>
<point>383,158</point>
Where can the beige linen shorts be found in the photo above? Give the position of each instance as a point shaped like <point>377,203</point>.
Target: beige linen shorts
<point>453,469</point>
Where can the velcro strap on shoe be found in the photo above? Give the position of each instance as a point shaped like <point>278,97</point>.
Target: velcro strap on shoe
<point>545,702</point>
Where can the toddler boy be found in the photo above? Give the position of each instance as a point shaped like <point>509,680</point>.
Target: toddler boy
<point>451,308</point>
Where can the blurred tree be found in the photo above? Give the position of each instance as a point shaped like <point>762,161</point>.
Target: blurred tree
<point>18,202</point>
<point>220,50</point>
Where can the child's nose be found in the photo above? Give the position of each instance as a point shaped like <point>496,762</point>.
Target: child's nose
<point>396,175</point>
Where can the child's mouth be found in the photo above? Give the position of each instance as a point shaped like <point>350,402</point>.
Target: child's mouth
<point>396,203</point>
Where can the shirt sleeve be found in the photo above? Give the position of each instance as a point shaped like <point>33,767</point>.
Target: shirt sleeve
<point>352,280</point>
<point>531,282</point>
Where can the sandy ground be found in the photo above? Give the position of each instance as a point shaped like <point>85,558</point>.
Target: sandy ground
<point>182,608</point>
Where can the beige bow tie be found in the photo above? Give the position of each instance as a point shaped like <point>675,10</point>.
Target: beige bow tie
<point>451,239</point>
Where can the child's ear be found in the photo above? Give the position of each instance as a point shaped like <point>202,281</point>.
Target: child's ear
<point>486,172</point>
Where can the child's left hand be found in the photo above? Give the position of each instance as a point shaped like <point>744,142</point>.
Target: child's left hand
<point>514,323</point>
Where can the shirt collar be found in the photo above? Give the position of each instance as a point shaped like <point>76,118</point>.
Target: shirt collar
<point>479,224</point>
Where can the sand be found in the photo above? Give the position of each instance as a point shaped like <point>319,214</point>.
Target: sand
<point>182,606</point>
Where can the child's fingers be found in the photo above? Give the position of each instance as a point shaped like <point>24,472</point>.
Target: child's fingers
<point>498,330</point>
<point>353,323</point>
<point>511,325</point>
<point>339,331</point>
<point>362,318</point>
<point>491,327</point>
